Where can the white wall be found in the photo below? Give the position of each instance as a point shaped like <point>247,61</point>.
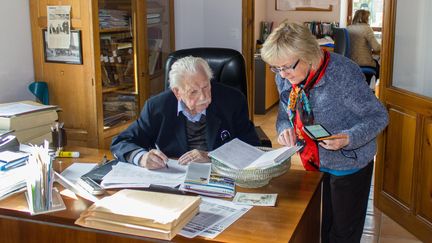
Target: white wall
<point>16,62</point>
<point>209,23</point>
<point>302,16</point>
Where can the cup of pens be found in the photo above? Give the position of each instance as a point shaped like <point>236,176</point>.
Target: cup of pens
<point>58,134</point>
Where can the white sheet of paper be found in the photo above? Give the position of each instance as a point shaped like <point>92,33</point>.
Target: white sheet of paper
<point>236,154</point>
<point>8,156</point>
<point>211,212</point>
<point>76,170</point>
<point>128,175</point>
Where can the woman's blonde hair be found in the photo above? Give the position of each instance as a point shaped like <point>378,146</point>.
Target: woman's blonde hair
<point>361,16</point>
<point>288,40</point>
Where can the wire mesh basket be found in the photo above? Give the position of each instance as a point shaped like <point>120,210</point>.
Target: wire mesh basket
<point>252,178</point>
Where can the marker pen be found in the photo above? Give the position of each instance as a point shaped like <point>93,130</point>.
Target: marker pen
<point>67,154</point>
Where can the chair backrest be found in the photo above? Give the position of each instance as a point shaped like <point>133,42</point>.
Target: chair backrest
<point>40,90</point>
<point>228,65</point>
<point>341,41</point>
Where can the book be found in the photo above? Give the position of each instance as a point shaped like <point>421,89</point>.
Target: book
<point>25,119</point>
<point>29,134</point>
<point>155,47</point>
<point>164,215</point>
<point>200,180</point>
<point>237,154</point>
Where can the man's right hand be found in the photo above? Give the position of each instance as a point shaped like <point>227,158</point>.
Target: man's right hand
<point>287,137</point>
<point>154,159</point>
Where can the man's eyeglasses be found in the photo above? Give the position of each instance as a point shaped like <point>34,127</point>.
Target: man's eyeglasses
<point>284,68</point>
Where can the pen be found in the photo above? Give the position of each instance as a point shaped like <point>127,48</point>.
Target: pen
<point>333,137</point>
<point>166,164</point>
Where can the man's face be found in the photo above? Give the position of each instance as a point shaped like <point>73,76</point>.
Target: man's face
<point>195,93</point>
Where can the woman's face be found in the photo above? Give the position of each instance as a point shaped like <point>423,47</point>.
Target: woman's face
<point>293,69</point>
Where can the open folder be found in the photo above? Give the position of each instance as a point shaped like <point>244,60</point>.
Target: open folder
<point>240,155</point>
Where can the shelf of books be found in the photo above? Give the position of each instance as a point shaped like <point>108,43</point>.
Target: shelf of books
<point>159,46</point>
<point>119,91</point>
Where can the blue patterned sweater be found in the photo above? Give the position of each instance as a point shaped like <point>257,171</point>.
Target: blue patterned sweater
<point>343,103</point>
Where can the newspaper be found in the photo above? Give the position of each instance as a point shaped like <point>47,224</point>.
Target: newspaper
<point>214,216</point>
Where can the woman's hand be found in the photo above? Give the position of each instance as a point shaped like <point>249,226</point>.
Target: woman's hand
<point>336,143</point>
<point>287,137</point>
<point>154,159</point>
<point>195,155</point>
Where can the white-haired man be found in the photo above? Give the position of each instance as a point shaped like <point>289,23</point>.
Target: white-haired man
<point>193,117</point>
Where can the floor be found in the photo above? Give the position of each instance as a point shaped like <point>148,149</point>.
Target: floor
<point>379,228</point>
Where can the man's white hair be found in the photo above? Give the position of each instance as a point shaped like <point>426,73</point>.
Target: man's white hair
<point>188,66</point>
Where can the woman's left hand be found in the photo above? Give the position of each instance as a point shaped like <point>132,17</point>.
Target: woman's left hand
<point>336,143</point>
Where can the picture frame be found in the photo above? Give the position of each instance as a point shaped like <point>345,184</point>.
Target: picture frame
<point>72,55</point>
<point>303,5</point>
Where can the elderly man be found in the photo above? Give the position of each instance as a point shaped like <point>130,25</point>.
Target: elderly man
<point>194,117</point>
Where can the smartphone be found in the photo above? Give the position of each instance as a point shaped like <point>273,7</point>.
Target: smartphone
<point>316,131</point>
<point>90,185</point>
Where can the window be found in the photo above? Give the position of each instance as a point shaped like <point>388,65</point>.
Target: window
<point>374,6</point>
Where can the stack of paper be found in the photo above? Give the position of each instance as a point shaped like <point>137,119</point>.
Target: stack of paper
<point>200,180</point>
<point>240,155</point>
<point>142,213</point>
<point>40,179</point>
<point>12,181</point>
<point>29,120</point>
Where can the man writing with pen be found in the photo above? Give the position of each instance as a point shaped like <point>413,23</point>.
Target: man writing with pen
<point>193,117</point>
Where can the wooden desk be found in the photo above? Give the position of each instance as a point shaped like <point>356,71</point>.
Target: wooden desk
<point>296,217</point>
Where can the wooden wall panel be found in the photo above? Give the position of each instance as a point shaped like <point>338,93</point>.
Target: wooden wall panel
<point>425,174</point>
<point>401,138</point>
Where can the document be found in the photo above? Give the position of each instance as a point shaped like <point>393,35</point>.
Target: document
<point>126,175</point>
<point>255,199</point>
<point>76,170</point>
<point>215,213</point>
<point>240,155</point>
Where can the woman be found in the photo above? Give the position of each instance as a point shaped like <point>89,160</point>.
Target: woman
<point>363,42</point>
<point>318,87</point>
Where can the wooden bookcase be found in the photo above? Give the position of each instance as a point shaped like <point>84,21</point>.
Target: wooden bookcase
<point>124,47</point>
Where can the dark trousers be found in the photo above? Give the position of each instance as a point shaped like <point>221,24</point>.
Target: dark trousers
<point>345,200</point>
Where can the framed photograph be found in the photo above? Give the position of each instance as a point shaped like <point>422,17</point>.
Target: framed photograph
<point>305,5</point>
<point>71,55</point>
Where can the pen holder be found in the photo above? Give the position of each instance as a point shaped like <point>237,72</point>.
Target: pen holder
<point>59,139</point>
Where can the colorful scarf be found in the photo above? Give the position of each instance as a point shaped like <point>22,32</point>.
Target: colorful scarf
<point>300,114</point>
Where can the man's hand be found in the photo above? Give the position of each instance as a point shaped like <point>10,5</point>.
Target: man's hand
<point>287,137</point>
<point>154,159</point>
<point>337,143</point>
<point>194,156</point>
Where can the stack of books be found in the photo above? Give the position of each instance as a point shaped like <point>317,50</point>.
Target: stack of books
<point>30,121</point>
<point>200,180</point>
<point>142,213</point>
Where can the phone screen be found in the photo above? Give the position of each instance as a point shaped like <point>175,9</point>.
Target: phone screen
<point>317,131</point>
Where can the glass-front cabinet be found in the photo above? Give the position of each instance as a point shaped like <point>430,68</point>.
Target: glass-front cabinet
<point>134,41</point>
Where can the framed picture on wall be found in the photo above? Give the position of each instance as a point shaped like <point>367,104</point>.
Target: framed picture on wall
<point>71,55</point>
<point>305,5</point>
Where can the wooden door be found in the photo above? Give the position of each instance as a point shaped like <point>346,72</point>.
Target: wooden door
<point>403,178</point>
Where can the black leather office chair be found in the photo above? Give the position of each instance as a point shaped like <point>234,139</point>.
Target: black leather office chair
<point>228,67</point>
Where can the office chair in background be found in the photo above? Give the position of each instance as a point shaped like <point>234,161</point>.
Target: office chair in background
<point>228,67</point>
<point>40,90</point>
<point>342,46</point>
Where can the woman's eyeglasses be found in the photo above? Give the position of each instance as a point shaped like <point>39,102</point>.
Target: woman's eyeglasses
<point>284,68</point>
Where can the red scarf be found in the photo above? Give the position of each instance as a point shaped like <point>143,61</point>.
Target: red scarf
<point>303,115</point>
